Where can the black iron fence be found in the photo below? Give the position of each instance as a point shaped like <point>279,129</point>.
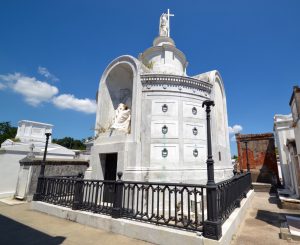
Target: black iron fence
<point>171,204</point>
<point>231,192</point>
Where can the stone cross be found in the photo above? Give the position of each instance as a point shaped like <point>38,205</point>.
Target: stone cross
<point>31,147</point>
<point>169,15</point>
<point>31,154</point>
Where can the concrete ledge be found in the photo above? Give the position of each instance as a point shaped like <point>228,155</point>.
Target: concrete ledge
<point>289,203</point>
<point>7,194</point>
<point>286,234</point>
<point>138,230</point>
<point>146,231</point>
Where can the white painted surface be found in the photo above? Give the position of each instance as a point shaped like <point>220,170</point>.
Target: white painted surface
<point>187,111</point>
<point>164,57</point>
<point>157,158</point>
<point>171,127</point>
<point>172,108</point>
<point>23,181</point>
<point>283,131</point>
<point>9,169</point>
<point>189,153</point>
<point>199,134</point>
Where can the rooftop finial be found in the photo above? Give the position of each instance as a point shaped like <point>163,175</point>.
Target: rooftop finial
<point>164,24</point>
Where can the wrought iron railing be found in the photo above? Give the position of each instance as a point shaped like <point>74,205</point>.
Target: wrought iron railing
<point>95,195</point>
<point>231,192</point>
<point>56,190</point>
<point>171,204</point>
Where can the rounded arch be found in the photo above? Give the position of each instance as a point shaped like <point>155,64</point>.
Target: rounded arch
<point>220,119</point>
<point>127,59</point>
<point>120,83</point>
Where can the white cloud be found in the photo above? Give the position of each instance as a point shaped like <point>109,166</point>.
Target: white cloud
<point>34,91</point>
<point>45,72</point>
<point>235,129</point>
<point>233,138</point>
<point>10,77</point>
<point>68,101</point>
<point>2,86</point>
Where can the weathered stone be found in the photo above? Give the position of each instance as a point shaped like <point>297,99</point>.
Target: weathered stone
<point>261,156</point>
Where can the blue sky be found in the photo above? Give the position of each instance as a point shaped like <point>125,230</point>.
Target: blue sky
<point>53,53</point>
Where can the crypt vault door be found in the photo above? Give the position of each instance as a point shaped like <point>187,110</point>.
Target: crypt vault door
<point>110,172</point>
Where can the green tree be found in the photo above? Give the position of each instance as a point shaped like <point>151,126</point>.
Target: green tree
<point>70,143</point>
<point>7,131</point>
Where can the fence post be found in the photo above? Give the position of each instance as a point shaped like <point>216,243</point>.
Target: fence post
<point>118,197</point>
<point>37,196</point>
<point>78,194</point>
<point>212,227</point>
<point>250,180</point>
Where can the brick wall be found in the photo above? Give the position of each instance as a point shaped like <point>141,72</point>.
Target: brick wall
<point>261,156</point>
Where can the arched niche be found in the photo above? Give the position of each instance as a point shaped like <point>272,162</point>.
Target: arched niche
<point>118,85</point>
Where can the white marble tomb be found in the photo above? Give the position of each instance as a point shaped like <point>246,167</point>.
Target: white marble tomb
<point>31,142</point>
<point>166,140</point>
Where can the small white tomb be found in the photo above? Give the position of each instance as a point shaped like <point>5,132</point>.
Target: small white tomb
<point>29,141</point>
<point>33,131</point>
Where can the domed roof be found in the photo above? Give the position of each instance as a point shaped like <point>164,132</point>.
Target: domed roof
<point>163,57</point>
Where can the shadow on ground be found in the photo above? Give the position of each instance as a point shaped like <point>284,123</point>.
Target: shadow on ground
<point>273,218</point>
<point>273,199</point>
<point>269,217</point>
<point>13,232</point>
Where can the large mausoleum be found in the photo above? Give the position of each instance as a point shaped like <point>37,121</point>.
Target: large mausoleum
<point>150,123</point>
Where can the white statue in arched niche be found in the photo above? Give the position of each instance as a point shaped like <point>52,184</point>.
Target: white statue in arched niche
<point>122,118</point>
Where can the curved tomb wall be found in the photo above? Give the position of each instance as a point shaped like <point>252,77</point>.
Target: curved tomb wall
<point>170,129</point>
<point>173,127</point>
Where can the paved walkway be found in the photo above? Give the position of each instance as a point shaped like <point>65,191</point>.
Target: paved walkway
<point>20,225</point>
<point>261,225</point>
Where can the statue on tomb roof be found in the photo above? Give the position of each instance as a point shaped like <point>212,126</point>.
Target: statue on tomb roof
<point>163,27</point>
<point>164,24</point>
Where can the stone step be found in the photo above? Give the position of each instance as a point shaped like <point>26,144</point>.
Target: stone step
<point>290,229</point>
<point>261,187</point>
